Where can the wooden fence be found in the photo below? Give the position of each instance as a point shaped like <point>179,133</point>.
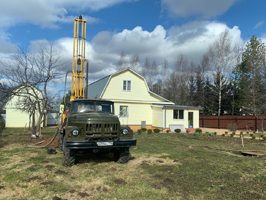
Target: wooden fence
<point>242,122</point>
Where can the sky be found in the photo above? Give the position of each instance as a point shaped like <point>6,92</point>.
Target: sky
<point>153,29</point>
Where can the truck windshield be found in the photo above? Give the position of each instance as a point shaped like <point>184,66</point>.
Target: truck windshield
<point>90,106</point>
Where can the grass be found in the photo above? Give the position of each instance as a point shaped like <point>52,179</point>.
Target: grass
<point>163,166</point>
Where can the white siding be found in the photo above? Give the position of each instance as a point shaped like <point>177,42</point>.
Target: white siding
<point>16,118</point>
<point>157,117</point>
<point>136,113</point>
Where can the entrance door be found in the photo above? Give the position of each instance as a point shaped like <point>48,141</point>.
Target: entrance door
<point>190,119</point>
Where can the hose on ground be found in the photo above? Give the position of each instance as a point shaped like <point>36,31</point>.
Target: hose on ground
<point>38,147</point>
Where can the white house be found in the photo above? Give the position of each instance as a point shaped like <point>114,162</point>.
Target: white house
<point>137,106</point>
<point>15,116</point>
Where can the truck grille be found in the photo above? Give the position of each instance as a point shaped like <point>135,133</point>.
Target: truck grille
<point>102,130</point>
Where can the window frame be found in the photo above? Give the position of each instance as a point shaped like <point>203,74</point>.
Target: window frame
<point>178,114</point>
<point>125,87</point>
<point>123,116</point>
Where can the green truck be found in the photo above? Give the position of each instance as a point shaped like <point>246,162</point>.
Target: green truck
<point>92,127</point>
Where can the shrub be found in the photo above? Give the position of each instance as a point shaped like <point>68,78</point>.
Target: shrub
<point>232,126</point>
<point>226,132</point>
<point>143,129</point>
<point>187,131</point>
<point>261,135</point>
<point>196,134</point>
<point>167,131</point>
<point>241,132</point>
<point>149,131</point>
<point>250,134</point>
<point>156,130</point>
<point>253,137</point>
<point>215,133</point>
<point>223,134</point>
<point>264,137</point>
<point>232,135</point>
<point>210,134</point>
<point>139,131</point>
<point>177,130</point>
<point>2,126</point>
<point>198,130</point>
<point>247,132</point>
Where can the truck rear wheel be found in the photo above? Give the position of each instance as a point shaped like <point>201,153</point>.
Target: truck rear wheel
<point>69,157</point>
<point>60,141</point>
<point>121,155</point>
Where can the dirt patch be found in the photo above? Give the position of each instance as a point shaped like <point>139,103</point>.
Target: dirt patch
<point>112,169</point>
<point>54,144</point>
<point>72,191</point>
<point>1,187</point>
<point>49,166</point>
<point>159,161</point>
<point>83,194</point>
<point>144,163</point>
<point>119,182</point>
<point>34,178</point>
<point>47,183</point>
<point>60,172</point>
<point>58,198</point>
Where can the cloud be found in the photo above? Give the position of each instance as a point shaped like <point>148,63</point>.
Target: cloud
<point>103,52</point>
<point>204,9</point>
<point>259,24</point>
<point>48,13</point>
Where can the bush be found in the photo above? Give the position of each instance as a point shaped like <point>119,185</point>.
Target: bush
<point>156,130</point>
<point>167,131</point>
<point>261,135</point>
<point>210,134</point>
<point>187,131</point>
<point>223,134</point>
<point>226,132</point>
<point>149,131</point>
<point>198,130</point>
<point>177,130</point>
<point>232,135</point>
<point>196,134</point>
<point>215,133</point>
<point>253,137</point>
<point>2,126</point>
<point>232,126</point>
<point>143,129</point>
<point>264,138</point>
<point>139,131</point>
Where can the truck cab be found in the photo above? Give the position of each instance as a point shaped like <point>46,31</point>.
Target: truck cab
<point>91,125</point>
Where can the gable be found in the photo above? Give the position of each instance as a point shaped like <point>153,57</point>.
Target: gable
<point>139,91</point>
<point>13,101</point>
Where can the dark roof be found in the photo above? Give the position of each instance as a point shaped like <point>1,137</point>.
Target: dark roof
<point>178,106</point>
<point>96,88</point>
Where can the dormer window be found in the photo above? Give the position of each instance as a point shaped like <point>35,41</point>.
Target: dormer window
<point>126,85</point>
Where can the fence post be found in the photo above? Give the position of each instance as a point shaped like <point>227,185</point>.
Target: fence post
<point>256,123</point>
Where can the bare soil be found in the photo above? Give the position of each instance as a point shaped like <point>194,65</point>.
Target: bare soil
<point>54,144</point>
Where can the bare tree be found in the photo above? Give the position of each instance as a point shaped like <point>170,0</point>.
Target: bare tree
<point>135,62</point>
<point>164,74</point>
<point>145,68</point>
<point>121,63</point>
<point>221,56</point>
<point>29,75</point>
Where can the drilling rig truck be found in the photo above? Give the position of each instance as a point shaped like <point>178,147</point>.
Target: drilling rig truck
<point>90,125</point>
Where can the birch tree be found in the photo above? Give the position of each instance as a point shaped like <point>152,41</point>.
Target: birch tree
<point>221,59</point>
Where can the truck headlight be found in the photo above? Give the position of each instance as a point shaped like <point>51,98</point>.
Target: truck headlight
<point>125,131</point>
<point>75,132</point>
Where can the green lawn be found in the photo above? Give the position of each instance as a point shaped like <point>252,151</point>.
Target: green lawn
<point>163,166</point>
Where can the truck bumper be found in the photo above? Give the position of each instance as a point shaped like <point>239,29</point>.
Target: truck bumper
<point>101,144</point>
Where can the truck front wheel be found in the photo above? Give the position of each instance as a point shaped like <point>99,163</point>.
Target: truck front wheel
<point>69,157</point>
<point>121,155</point>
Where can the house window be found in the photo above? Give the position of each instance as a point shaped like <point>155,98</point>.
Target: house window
<point>126,85</point>
<point>123,111</point>
<point>178,114</point>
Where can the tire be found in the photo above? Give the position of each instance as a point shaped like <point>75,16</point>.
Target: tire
<point>69,157</point>
<point>60,141</point>
<point>121,155</point>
